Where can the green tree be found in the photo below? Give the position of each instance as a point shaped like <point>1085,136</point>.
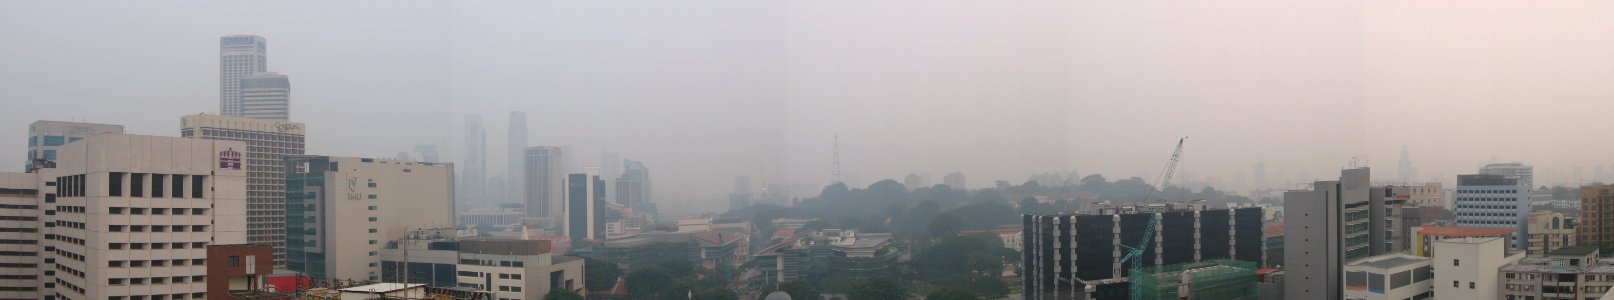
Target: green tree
<point>599,275</point>
<point>716,294</point>
<point>562,295</point>
<point>951,294</point>
<point>945,225</point>
<point>878,289</point>
<point>650,283</point>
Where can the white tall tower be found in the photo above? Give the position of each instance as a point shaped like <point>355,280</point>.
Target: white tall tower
<point>240,56</point>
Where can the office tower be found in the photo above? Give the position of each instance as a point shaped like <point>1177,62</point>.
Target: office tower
<point>516,155</point>
<point>1493,201</point>
<point>240,56</point>
<point>267,141</point>
<point>625,191</point>
<point>473,187</point>
<point>954,180</point>
<point>1335,223</point>
<point>1526,174</point>
<point>19,219</point>
<point>585,197</point>
<point>1405,172</point>
<point>913,181</point>
<point>545,182</point>
<point>610,164</point>
<point>1260,176</point>
<point>639,176</point>
<point>266,96</point>
<point>1078,255</point>
<point>427,153</point>
<point>45,136</point>
<point>1596,224</point>
<point>130,216</point>
<point>341,210</point>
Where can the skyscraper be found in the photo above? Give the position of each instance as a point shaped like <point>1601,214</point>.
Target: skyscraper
<point>610,168</point>
<point>545,181</point>
<point>516,154</point>
<point>266,95</point>
<point>45,136</point>
<point>267,141</point>
<point>473,189</point>
<point>427,152</point>
<point>240,56</point>
<point>636,172</point>
<point>585,196</point>
<point>1405,172</point>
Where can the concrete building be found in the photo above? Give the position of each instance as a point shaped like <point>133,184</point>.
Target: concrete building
<point>913,181</point>
<point>474,178</point>
<point>1493,201</point>
<point>1054,267</point>
<point>266,95</point>
<point>1548,231</point>
<point>20,227</point>
<point>1424,237</point>
<point>427,153</point>
<point>1390,277</point>
<point>1334,223</point>
<point>639,184</point>
<point>1423,194</point>
<point>813,255</point>
<point>585,200</point>
<point>267,141</point>
<point>240,56</point>
<point>130,216</point>
<point>1272,235</point>
<point>495,217</point>
<point>517,269</point>
<point>1215,279</point>
<point>1596,224</point>
<point>1570,273</point>
<point>341,209</point>
<point>45,136</point>
<point>955,180</point>
<point>1468,268</point>
<point>545,182</point>
<point>240,272</point>
<point>1525,173</point>
<point>516,157</point>
<point>611,167</point>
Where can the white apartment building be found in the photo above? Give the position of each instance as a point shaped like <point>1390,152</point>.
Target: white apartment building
<point>1389,277</point>
<point>129,217</point>
<point>45,136</point>
<point>341,210</point>
<point>1468,268</point>
<point>517,269</point>
<point>267,141</point>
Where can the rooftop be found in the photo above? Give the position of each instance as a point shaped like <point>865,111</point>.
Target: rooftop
<point>1574,251</point>
<point>382,287</point>
<point>1394,261</point>
<point>1464,231</point>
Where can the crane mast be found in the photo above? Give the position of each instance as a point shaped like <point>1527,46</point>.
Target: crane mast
<point>1135,253</point>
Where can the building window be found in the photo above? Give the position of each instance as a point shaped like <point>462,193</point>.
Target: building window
<point>137,185</point>
<point>114,184</point>
<point>235,261</point>
<point>1455,262</point>
<point>372,207</point>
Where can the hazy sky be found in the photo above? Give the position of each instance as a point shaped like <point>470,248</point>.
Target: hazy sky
<point>702,91</point>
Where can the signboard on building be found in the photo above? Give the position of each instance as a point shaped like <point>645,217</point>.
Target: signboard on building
<point>230,159</point>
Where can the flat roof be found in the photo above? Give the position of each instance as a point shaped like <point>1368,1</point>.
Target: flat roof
<point>1464,231</point>
<point>1574,250</point>
<point>382,287</point>
<point>1393,262</point>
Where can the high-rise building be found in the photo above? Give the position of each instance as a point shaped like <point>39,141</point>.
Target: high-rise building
<point>474,184</point>
<point>1079,255</point>
<point>1493,201</point>
<point>545,182</point>
<point>1525,173</point>
<point>131,216</point>
<point>1405,172</point>
<point>45,136</point>
<point>516,155</point>
<point>20,199</point>
<point>342,210</point>
<point>1596,224</point>
<point>240,56</point>
<point>954,180</point>
<point>1335,223</point>
<point>267,141</point>
<point>427,153</point>
<point>610,168</point>
<point>1260,176</point>
<point>638,177</point>
<point>1549,231</point>
<point>1469,268</point>
<point>585,197</point>
<point>266,95</point>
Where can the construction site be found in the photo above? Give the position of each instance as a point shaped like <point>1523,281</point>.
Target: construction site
<point>1213,279</point>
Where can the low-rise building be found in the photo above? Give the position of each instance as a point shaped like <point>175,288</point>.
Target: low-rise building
<point>816,254</point>
<point>708,249</point>
<point>1424,237</point>
<point>1468,268</point>
<point>1389,277</point>
<point>504,268</point>
<point>1214,279</point>
<point>1548,231</point>
<point>1569,273</point>
<point>241,272</point>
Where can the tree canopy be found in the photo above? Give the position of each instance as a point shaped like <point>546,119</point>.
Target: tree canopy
<point>878,289</point>
<point>599,275</point>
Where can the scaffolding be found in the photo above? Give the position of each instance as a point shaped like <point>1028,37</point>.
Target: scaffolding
<point>1207,280</point>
